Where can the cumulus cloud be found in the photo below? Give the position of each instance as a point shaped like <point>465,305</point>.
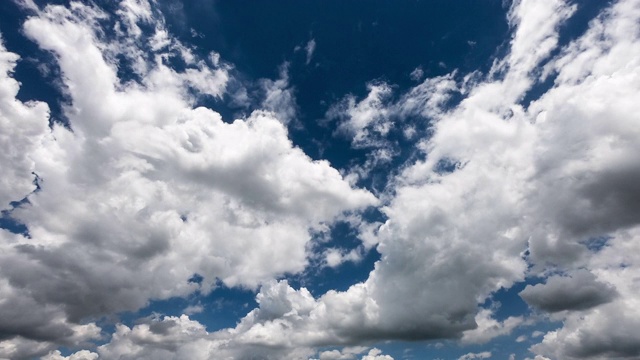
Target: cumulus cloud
<point>544,178</point>
<point>481,355</point>
<point>578,291</point>
<point>23,127</point>
<point>608,330</point>
<point>376,354</point>
<point>146,190</point>
<point>489,328</point>
<point>345,353</point>
<point>80,355</point>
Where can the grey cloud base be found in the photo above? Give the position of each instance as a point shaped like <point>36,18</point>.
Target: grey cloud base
<point>579,291</point>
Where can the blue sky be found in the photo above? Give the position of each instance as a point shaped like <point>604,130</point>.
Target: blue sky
<point>320,179</point>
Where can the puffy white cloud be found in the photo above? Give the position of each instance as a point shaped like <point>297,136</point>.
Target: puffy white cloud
<point>489,328</point>
<point>145,190</point>
<point>148,191</point>
<point>167,338</point>
<point>334,257</point>
<point>376,354</point>
<point>344,354</point>
<point>480,355</point>
<point>544,178</point>
<point>590,181</point>
<point>80,355</point>
<point>23,127</point>
<point>435,268</point>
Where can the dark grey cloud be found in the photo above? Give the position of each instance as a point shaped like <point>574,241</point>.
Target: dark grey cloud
<point>578,291</point>
<point>608,347</point>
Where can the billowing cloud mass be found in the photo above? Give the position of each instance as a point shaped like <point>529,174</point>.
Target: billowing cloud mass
<point>18,139</point>
<point>143,190</point>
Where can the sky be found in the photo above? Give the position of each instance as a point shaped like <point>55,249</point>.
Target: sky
<point>366,180</point>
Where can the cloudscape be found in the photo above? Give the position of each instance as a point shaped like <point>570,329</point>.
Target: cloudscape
<point>320,180</point>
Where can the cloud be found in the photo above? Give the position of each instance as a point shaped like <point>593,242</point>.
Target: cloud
<point>335,257</point>
<point>489,328</point>
<point>481,355</point>
<point>428,99</point>
<point>578,291</point>
<point>193,309</point>
<point>608,330</point>
<point>417,74</point>
<point>433,246</point>
<point>23,127</point>
<point>80,355</point>
<point>310,49</point>
<point>375,354</point>
<point>146,190</point>
<point>279,97</point>
<point>345,353</point>
<point>531,183</point>
<point>167,338</point>
<point>366,120</point>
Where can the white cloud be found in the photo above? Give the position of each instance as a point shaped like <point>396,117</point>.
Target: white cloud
<point>376,354</point>
<point>167,338</point>
<point>335,257</point>
<point>470,356</point>
<point>149,184</point>
<point>344,354</point>
<point>193,309</point>
<point>502,196</point>
<point>417,74</point>
<point>434,259</point>
<point>428,98</point>
<point>279,96</point>
<point>366,120</point>
<point>80,355</point>
<point>144,192</point>
<point>23,127</point>
<point>489,328</point>
<point>310,49</point>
